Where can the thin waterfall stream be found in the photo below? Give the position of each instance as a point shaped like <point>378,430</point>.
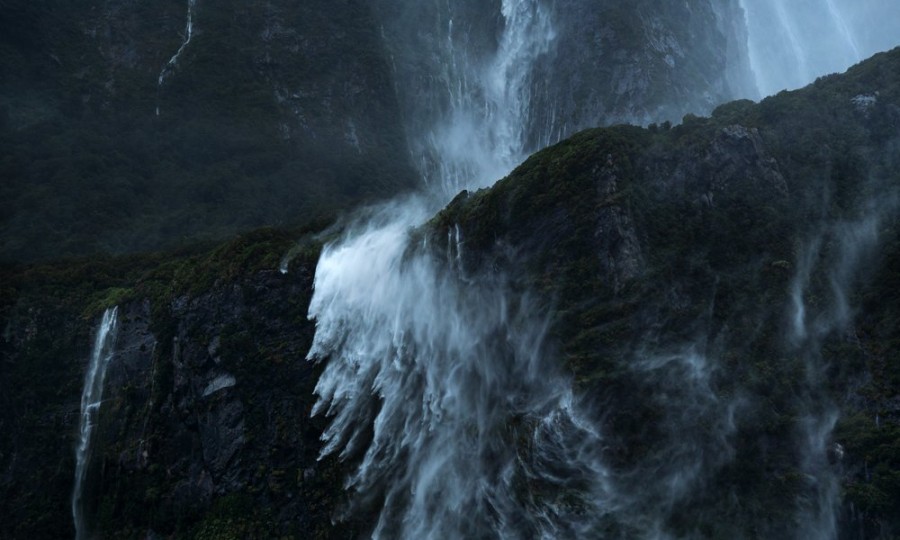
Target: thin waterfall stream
<point>838,250</point>
<point>170,66</point>
<point>91,401</point>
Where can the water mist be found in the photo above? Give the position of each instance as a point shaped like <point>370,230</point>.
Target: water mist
<point>447,374</point>
<point>439,385</point>
<point>793,42</point>
<point>433,373</point>
<point>834,255</point>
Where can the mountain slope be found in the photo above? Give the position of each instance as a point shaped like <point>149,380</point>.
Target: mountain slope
<point>722,293</point>
<point>121,132</point>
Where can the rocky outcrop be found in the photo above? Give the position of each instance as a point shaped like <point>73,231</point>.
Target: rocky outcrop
<point>737,155</point>
<point>218,412</point>
<point>618,247</point>
<point>735,163</point>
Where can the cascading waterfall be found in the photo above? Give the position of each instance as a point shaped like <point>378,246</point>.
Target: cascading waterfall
<point>481,134</point>
<point>170,66</point>
<point>439,385</point>
<point>438,381</point>
<point>91,399</point>
<point>445,375</point>
<point>428,379</point>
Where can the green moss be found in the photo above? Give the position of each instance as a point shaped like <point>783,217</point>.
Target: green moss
<point>234,517</point>
<point>108,298</point>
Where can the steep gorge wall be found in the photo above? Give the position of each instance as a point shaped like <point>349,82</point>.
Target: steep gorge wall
<point>572,65</point>
<point>271,113</point>
<point>637,242</point>
<point>205,428</point>
<point>123,130</point>
<point>649,61</point>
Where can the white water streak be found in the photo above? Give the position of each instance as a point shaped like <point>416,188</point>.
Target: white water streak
<point>693,443</point>
<point>799,51</point>
<point>170,66</point>
<point>440,387</point>
<point>840,22</point>
<point>91,399</point>
<point>446,376</point>
<point>482,135</point>
<point>790,43</point>
<point>818,506</point>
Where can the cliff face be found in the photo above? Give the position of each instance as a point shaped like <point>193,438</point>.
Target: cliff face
<point>721,291</point>
<point>669,261</point>
<point>129,126</point>
<point>649,61</point>
<point>209,432</point>
<point>206,427</point>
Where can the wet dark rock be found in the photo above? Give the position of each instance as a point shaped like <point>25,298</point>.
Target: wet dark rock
<point>617,241</point>
<point>626,236</point>
<point>232,409</point>
<point>292,110</point>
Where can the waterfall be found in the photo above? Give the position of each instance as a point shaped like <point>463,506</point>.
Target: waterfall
<point>792,43</point>
<point>429,383</point>
<point>431,376</point>
<point>439,385</point>
<point>474,433</point>
<point>170,66</point>
<point>483,136</point>
<point>468,105</point>
<point>91,399</point>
